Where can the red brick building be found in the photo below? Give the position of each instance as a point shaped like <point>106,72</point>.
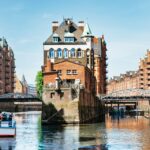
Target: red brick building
<point>139,79</point>
<point>7,68</point>
<point>72,52</point>
<point>129,80</point>
<point>74,65</point>
<point>144,71</point>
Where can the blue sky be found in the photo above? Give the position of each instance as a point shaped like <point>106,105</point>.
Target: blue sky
<point>26,24</point>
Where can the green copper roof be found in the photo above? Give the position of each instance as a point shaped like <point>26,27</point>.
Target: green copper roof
<point>87,31</point>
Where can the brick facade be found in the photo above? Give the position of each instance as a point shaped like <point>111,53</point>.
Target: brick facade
<point>7,68</point>
<point>92,55</point>
<point>130,80</point>
<point>100,65</point>
<point>144,69</point>
<point>139,79</point>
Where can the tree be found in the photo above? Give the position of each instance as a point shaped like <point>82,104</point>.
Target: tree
<point>39,84</point>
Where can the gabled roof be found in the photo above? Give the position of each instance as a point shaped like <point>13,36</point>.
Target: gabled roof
<point>66,60</point>
<point>67,28</point>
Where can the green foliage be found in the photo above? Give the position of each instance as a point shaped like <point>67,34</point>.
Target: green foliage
<point>39,84</point>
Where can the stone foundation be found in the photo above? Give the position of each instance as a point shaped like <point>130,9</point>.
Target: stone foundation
<point>64,109</point>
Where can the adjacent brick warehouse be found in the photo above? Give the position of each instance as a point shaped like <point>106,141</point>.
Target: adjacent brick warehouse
<point>139,79</point>
<point>144,71</point>
<point>7,68</point>
<point>129,80</point>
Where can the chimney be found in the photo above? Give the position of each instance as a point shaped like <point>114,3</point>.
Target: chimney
<point>81,25</point>
<point>48,67</point>
<point>55,25</point>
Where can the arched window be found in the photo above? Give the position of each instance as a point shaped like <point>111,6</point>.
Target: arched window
<point>79,53</point>
<point>65,53</point>
<point>59,53</point>
<point>72,52</point>
<point>51,53</point>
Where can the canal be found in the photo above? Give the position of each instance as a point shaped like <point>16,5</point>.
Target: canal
<point>129,133</point>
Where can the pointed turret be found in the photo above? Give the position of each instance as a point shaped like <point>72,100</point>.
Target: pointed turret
<point>24,82</point>
<point>87,31</point>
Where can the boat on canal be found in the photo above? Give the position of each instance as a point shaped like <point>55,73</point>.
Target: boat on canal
<point>7,125</point>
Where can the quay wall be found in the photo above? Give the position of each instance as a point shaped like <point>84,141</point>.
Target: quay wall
<point>85,108</point>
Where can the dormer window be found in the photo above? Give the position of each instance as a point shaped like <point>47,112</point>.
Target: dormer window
<point>55,39</point>
<point>69,39</point>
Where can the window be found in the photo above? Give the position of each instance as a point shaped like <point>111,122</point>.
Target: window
<point>74,72</point>
<point>79,55</point>
<point>72,52</point>
<point>51,53</point>
<point>65,53</point>
<point>55,39</point>
<point>52,95</point>
<point>88,60</point>
<point>69,39</point>
<point>68,72</point>
<point>59,53</point>
<point>59,72</point>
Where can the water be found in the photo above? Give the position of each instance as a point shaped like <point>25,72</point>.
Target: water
<point>123,134</point>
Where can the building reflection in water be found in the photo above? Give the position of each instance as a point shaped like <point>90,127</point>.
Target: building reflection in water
<point>130,133</point>
<point>126,133</point>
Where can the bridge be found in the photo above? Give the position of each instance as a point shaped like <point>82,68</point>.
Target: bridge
<point>139,98</point>
<point>18,96</point>
<point>15,102</point>
<point>127,95</point>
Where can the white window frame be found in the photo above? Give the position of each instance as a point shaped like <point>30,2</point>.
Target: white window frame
<point>68,72</point>
<point>55,39</point>
<point>74,72</point>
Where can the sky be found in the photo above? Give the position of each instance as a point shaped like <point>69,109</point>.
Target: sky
<point>26,24</point>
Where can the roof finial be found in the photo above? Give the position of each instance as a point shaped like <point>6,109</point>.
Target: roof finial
<point>102,36</point>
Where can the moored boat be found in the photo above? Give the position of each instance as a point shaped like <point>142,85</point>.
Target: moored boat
<point>7,125</point>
